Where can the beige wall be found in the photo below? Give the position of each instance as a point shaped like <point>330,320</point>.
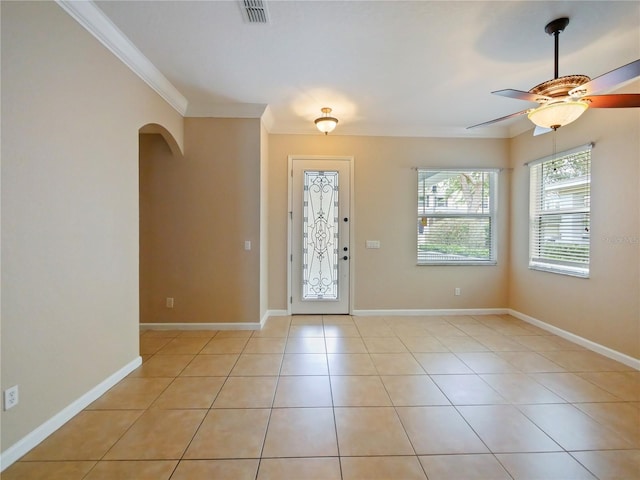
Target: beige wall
<point>385,210</point>
<point>196,214</point>
<point>606,307</point>
<point>264,221</point>
<point>70,118</point>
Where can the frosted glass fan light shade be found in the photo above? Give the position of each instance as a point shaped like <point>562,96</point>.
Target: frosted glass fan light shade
<point>556,115</point>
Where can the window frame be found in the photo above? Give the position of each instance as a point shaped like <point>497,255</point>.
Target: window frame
<point>560,266</point>
<point>492,216</point>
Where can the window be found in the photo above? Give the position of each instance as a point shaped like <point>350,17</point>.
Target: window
<point>560,204</point>
<point>457,216</point>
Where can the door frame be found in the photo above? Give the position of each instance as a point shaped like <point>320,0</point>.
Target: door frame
<point>291,159</point>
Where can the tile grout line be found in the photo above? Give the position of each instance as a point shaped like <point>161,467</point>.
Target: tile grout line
<point>456,409</point>
<point>208,410</point>
<point>266,430</point>
<point>186,448</point>
<point>333,406</point>
<point>404,428</point>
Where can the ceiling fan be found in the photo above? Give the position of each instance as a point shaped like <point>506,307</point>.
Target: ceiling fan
<point>563,99</point>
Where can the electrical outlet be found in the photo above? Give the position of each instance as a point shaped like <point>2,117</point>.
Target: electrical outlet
<point>11,397</point>
<point>169,302</point>
<point>457,291</point>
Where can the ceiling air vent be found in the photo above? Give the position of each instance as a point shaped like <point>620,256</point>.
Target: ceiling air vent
<point>254,11</point>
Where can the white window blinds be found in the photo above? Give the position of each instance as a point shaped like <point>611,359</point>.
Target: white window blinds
<point>560,213</point>
<point>456,217</point>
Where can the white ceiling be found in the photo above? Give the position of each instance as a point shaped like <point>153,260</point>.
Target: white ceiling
<point>402,68</point>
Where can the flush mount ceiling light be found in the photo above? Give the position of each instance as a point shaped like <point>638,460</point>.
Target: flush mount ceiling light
<point>326,123</point>
<point>557,114</point>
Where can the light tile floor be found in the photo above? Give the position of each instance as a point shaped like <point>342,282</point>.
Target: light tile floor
<point>340,397</point>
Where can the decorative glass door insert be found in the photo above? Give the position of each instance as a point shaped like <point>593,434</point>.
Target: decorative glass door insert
<point>320,228</point>
<point>319,244</point>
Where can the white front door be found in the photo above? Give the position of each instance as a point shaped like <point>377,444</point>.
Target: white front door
<point>320,219</point>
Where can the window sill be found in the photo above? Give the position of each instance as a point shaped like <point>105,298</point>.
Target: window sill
<point>560,271</point>
<point>457,264</point>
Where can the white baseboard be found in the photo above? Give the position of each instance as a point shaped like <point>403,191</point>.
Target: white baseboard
<point>201,326</point>
<point>273,313</point>
<point>215,326</point>
<point>577,339</point>
<point>432,312</point>
<point>277,313</point>
<point>35,437</point>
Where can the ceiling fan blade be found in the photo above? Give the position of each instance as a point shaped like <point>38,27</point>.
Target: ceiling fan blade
<point>541,130</point>
<point>609,79</point>
<point>500,119</point>
<point>621,100</point>
<point>520,95</point>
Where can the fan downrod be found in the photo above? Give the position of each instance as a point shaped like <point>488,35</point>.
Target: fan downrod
<point>556,26</point>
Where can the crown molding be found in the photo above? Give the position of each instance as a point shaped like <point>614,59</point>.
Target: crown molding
<point>226,110</point>
<point>87,14</point>
<point>268,120</point>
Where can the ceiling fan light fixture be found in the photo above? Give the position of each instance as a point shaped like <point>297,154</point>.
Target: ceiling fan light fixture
<point>326,123</point>
<point>558,114</point>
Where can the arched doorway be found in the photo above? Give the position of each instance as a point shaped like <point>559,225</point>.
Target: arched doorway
<point>157,158</point>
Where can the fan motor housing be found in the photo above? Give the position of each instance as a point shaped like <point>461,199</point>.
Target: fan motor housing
<point>559,87</point>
